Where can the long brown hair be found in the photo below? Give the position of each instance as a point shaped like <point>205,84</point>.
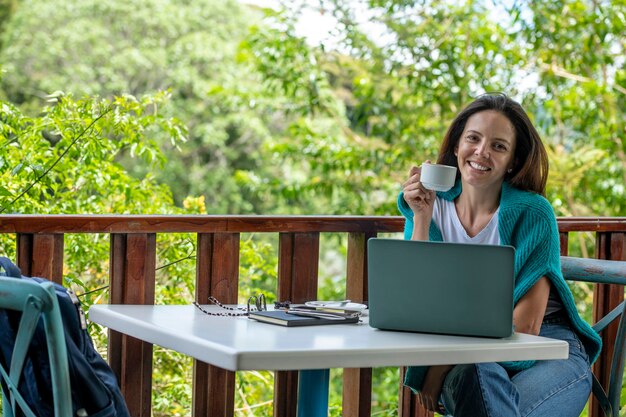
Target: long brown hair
<point>530,162</point>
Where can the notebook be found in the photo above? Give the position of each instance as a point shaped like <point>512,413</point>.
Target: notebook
<point>436,287</point>
<point>282,318</point>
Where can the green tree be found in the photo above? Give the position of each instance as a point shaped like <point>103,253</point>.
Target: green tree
<point>576,49</point>
<point>404,75</point>
<point>70,150</point>
<point>139,47</point>
<point>397,94</point>
<point>563,61</point>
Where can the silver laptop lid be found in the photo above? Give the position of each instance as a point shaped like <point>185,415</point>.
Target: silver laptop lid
<point>436,287</point>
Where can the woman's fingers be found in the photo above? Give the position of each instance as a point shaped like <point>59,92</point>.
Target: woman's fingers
<point>427,402</point>
<point>414,177</point>
<point>412,186</point>
<point>418,193</point>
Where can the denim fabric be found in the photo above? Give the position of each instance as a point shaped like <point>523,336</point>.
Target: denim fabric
<point>549,388</point>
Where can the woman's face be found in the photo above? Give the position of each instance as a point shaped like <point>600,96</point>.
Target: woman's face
<point>485,150</point>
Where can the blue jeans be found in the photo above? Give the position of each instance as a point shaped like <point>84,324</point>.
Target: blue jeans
<point>549,388</point>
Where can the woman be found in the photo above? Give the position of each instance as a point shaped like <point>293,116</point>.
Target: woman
<point>498,199</point>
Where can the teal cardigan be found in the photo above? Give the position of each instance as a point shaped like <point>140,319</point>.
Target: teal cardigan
<point>526,222</point>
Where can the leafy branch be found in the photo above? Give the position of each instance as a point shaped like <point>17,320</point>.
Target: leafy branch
<point>51,167</point>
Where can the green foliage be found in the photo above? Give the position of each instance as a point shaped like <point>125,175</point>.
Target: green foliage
<point>577,54</point>
<point>290,69</point>
<point>403,88</point>
<point>63,162</point>
<point>341,123</point>
<point>115,47</point>
<point>173,386</point>
<point>70,149</point>
<point>136,47</point>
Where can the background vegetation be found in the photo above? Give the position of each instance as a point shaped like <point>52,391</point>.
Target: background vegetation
<point>212,106</point>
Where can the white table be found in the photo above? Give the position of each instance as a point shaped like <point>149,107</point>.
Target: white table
<point>239,344</point>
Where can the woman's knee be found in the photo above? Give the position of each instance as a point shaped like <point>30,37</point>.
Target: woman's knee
<point>472,373</point>
<point>562,390</point>
<point>462,372</point>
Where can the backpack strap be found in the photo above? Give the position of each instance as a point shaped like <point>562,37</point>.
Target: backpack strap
<point>11,270</point>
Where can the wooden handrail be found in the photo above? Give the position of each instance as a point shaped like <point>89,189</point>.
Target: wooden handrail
<point>102,223</point>
<point>68,223</point>
<point>591,224</point>
<point>40,247</point>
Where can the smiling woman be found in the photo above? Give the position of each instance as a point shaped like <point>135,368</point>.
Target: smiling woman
<point>498,200</point>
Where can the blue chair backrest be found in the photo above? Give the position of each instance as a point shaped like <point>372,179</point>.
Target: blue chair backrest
<point>604,272</point>
<point>93,386</point>
<point>34,301</point>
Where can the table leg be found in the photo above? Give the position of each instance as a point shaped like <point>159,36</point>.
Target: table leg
<point>313,388</point>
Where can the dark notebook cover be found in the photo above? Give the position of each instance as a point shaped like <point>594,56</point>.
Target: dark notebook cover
<point>282,318</point>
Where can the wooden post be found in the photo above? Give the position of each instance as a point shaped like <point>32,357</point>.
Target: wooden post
<point>298,259</point>
<point>357,382</point>
<point>132,271</point>
<point>564,241</point>
<point>41,255</point>
<point>217,274</point>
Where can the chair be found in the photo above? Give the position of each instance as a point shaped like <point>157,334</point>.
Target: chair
<point>34,300</point>
<point>604,272</point>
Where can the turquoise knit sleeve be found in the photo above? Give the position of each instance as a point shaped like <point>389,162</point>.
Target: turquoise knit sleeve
<point>406,211</point>
<point>414,377</point>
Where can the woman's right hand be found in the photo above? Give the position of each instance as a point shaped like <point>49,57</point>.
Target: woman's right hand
<point>428,397</point>
<point>420,200</point>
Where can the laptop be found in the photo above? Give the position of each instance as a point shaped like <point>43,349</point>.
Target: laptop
<point>445,288</point>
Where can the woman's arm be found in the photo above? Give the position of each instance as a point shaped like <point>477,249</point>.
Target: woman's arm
<point>530,309</point>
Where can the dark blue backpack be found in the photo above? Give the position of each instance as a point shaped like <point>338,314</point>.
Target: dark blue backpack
<point>95,391</point>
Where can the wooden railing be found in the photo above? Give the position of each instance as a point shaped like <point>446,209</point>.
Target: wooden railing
<point>40,249</point>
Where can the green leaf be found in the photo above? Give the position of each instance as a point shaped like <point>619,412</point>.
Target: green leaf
<point>5,192</point>
<point>18,168</point>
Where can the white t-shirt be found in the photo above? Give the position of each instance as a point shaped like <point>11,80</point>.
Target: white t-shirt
<point>447,219</point>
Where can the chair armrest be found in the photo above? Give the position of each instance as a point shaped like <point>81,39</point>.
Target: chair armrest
<point>599,271</point>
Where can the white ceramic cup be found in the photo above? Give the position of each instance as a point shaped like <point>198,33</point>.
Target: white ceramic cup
<point>437,177</point>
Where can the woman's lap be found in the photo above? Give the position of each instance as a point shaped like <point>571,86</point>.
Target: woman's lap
<point>566,382</point>
<point>553,387</point>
